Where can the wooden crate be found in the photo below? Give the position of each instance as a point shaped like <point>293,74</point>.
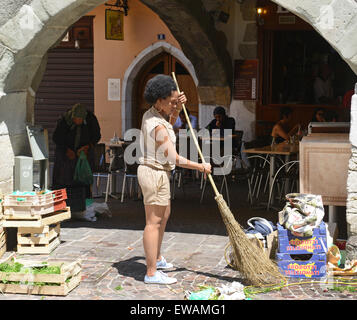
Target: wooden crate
<point>41,240</point>
<point>27,285</point>
<point>2,241</point>
<point>18,221</point>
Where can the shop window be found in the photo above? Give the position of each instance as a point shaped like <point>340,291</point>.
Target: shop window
<point>305,69</point>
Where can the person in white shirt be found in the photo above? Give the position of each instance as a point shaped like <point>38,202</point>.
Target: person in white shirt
<point>159,158</point>
<point>181,122</point>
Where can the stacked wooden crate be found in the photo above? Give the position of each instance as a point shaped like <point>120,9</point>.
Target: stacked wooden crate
<point>62,277</point>
<point>2,231</point>
<point>37,217</point>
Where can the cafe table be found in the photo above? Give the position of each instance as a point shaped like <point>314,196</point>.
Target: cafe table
<point>283,149</point>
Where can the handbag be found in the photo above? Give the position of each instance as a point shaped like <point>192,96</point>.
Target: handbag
<point>83,172</point>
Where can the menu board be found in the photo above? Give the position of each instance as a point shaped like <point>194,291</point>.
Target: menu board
<point>245,79</point>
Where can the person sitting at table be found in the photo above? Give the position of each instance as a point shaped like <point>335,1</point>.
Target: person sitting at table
<point>181,122</point>
<point>319,115</point>
<point>331,116</point>
<point>281,130</point>
<point>221,121</point>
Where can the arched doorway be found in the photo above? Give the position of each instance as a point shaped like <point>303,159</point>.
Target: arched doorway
<point>163,63</point>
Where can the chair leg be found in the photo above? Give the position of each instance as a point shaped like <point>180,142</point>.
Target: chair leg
<point>203,190</point>
<point>107,187</point>
<point>225,181</point>
<point>250,192</point>
<point>123,188</point>
<point>131,188</point>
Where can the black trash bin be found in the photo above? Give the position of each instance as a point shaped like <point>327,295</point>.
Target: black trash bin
<point>76,198</point>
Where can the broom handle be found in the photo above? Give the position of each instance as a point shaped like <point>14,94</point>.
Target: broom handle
<point>195,139</point>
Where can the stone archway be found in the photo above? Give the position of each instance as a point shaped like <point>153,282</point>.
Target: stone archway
<point>28,28</point>
<point>133,70</point>
<point>336,21</point>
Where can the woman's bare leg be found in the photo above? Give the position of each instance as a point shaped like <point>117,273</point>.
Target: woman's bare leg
<point>154,216</point>
<point>162,230</point>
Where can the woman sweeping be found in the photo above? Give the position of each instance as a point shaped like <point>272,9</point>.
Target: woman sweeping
<point>158,160</point>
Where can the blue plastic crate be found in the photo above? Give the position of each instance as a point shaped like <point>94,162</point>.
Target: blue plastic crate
<point>315,267</point>
<point>288,243</point>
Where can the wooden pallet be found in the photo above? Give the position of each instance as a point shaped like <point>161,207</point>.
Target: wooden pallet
<point>38,248</point>
<point>2,243</point>
<point>69,270</point>
<point>16,221</point>
<point>42,235</point>
<point>41,240</point>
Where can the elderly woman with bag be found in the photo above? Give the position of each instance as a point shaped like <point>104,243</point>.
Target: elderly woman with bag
<point>77,130</point>
<point>158,159</point>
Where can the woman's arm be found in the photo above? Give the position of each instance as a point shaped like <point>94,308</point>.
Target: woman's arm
<point>175,113</point>
<point>163,142</point>
<point>279,131</point>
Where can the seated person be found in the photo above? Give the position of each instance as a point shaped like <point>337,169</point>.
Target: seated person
<point>331,116</point>
<point>319,115</point>
<point>281,130</point>
<point>221,121</point>
<point>181,122</point>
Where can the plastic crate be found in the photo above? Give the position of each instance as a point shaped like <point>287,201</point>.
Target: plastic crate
<point>30,206</point>
<point>35,199</point>
<point>289,243</point>
<point>76,198</point>
<point>290,266</point>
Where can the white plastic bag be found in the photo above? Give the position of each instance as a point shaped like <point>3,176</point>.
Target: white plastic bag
<point>92,211</point>
<point>302,213</point>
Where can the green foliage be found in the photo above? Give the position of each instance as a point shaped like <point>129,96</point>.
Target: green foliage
<point>16,267</point>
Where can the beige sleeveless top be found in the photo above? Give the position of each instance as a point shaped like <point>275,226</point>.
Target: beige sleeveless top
<point>152,156</point>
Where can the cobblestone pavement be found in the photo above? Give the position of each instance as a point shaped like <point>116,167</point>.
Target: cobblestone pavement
<point>113,258</point>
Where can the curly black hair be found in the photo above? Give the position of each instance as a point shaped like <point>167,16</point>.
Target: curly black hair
<point>160,86</point>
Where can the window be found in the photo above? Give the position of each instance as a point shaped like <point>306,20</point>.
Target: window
<point>305,69</point>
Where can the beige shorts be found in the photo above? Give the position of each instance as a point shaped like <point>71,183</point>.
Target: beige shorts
<point>155,185</point>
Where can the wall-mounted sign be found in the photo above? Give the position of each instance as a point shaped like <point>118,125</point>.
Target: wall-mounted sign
<point>114,25</point>
<point>114,89</point>
<point>245,79</point>
<point>290,19</point>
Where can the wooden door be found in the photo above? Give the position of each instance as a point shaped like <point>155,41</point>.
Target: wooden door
<point>163,63</point>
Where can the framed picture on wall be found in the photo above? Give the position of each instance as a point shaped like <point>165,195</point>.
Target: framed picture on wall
<point>114,25</point>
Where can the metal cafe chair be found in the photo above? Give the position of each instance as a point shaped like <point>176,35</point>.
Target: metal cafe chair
<point>223,181</point>
<point>260,166</point>
<point>131,174</point>
<point>282,177</point>
<point>101,168</point>
<point>240,171</point>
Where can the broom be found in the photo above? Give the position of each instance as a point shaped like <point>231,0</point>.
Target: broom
<point>248,258</point>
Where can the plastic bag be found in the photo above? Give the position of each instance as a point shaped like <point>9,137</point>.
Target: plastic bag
<point>83,172</point>
<point>92,211</point>
<point>232,291</point>
<point>302,213</point>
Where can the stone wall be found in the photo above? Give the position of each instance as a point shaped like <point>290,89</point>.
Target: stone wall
<point>351,208</point>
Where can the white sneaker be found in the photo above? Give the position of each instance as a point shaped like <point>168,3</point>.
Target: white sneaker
<point>163,264</point>
<point>159,278</point>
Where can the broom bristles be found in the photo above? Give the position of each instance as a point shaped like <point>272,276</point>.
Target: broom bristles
<point>249,259</point>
